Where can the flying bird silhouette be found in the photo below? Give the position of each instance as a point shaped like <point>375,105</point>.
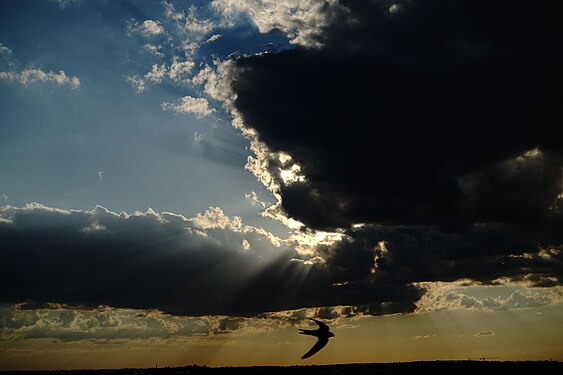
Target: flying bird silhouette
<point>322,334</point>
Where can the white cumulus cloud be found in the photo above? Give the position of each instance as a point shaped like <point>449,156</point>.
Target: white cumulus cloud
<point>147,28</point>
<point>179,70</point>
<point>64,3</point>
<point>157,73</point>
<point>154,49</point>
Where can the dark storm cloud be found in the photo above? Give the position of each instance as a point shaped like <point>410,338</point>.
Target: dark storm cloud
<point>482,253</point>
<point>194,267</point>
<point>431,122</point>
<point>399,106</point>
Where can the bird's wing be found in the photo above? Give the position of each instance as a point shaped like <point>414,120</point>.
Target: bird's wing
<point>321,342</point>
<point>323,327</point>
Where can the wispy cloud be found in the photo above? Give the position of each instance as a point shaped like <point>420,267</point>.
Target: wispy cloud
<point>179,70</point>
<point>484,333</point>
<point>424,337</point>
<point>63,3</point>
<point>31,76</point>
<point>157,73</point>
<point>195,24</point>
<point>5,51</point>
<point>147,28</point>
<point>198,137</point>
<point>171,12</point>
<point>213,38</point>
<point>252,197</point>
<point>154,50</point>
<point>188,20</point>
<point>188,104</point>
<point>137,82</point>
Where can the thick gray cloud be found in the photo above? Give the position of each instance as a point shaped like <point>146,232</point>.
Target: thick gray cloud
<point>211,264</point>
<point>430,122</point>
<point>484,253</point>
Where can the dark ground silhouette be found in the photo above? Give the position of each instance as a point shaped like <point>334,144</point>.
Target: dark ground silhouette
<point>425,367</point>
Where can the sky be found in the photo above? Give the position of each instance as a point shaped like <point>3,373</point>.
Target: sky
<point>187,182</point>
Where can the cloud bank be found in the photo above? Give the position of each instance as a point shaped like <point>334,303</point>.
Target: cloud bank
<point>208,265</point>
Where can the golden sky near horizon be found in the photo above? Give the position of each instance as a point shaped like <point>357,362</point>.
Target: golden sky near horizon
<point>517,334</point>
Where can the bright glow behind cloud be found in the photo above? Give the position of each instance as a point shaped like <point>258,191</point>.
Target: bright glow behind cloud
<point>301,20</point>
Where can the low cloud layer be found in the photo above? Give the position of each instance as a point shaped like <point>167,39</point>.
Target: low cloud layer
<point>73,323</point>
<point>211,264</point>
<point>449,296</point>
<point>36,320</point>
